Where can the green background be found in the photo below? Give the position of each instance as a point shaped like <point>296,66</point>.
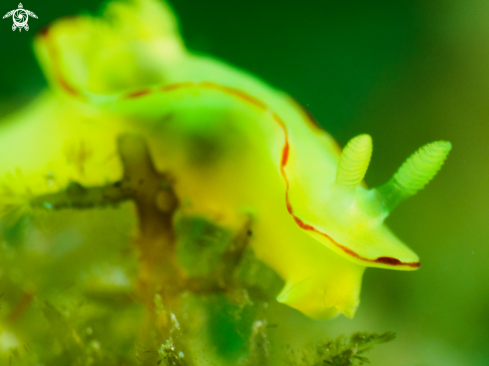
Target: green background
<point>407,72</point>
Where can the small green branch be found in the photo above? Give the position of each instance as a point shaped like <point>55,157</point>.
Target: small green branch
<point>80,197</point>
<point>342,351</point>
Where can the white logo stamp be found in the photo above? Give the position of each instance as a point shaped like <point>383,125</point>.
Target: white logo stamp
<point>20,17</point>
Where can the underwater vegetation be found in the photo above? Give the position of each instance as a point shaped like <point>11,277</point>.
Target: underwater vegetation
<point>164,208</point>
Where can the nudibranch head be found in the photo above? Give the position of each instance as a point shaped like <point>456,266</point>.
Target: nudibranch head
<point>352,221</point>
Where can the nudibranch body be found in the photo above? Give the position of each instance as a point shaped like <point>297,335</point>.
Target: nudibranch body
<point>237,149</point>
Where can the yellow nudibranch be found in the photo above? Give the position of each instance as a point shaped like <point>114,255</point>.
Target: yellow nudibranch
<point>236,147</point>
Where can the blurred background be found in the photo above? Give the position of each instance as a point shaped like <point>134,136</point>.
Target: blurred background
<point>406,72</point>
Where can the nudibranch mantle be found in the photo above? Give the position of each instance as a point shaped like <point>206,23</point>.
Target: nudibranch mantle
<point>236,147</point>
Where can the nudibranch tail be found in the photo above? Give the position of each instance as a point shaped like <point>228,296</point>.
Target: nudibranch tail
<point>81,54</point>
<point>416,172</point>
<point>354,161</point>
